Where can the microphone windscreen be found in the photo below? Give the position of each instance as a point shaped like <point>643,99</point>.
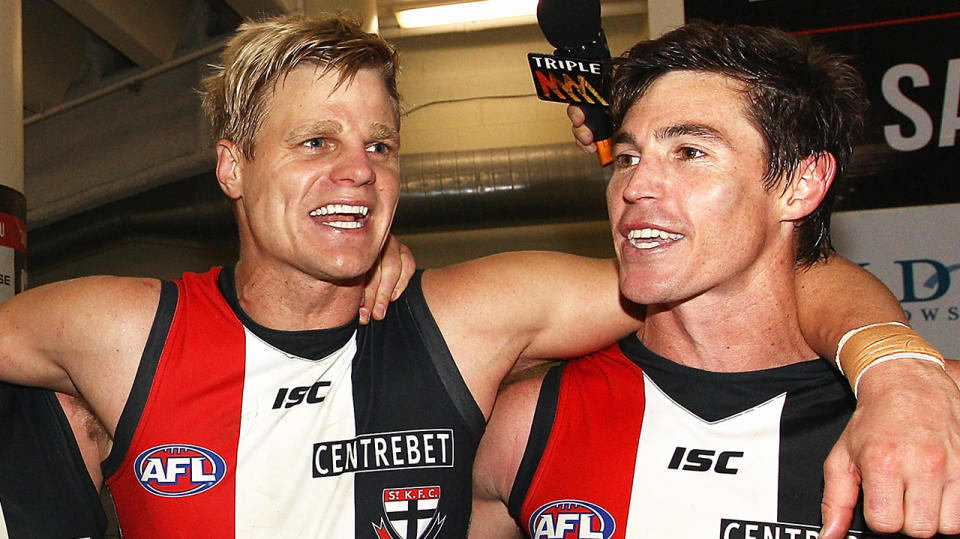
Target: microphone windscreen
<point>569,23</point>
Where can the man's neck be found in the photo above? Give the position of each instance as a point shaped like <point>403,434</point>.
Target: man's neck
<point>751,328</point>
<point>287,299</point>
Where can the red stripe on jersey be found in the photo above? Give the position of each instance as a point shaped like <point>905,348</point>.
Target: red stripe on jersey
<point>591,451</point>
<point>200,375</point>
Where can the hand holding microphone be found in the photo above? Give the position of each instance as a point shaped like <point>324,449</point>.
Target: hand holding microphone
<point>577,72</point>
<point>581,132</point>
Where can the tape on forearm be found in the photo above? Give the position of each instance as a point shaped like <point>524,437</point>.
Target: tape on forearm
<point>864,347</point>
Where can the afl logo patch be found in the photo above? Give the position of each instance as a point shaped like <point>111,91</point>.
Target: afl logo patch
<point>177,470</point>
<point>571,519</point>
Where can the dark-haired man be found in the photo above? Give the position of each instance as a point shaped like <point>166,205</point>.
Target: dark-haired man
<point>716,418</point>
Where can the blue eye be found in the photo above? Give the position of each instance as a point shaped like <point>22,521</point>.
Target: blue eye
<point>316,143</point>
<point>379,148</point>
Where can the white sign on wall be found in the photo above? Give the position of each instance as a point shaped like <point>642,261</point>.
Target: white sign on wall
<point>916,253</point>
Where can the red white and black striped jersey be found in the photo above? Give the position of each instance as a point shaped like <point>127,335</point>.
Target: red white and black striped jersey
<point>236,430</point>
<point>627,444</point>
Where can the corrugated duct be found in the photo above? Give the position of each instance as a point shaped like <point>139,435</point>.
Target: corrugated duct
<point>440,191</point>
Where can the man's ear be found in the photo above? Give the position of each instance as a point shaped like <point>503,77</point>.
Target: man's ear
<point>229,167</point>
<point>811,181</point>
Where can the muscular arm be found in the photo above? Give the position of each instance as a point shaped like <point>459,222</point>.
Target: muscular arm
<point>524,306</point>
<point>902,442</point>
<point>510,310</point>
<point>82,337</point>
<point>836,296</point>
<point>498,459</point>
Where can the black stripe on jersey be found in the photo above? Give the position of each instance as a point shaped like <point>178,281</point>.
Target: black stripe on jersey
<point>137,400</point>
<point>543,417</point>
<point>715,396</point>
<point>433,340</point>
<point>827,402</point>
<point>314,344</point>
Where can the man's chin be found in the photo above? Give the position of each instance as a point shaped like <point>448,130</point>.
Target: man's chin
<point>345,273</point>
<point>644,291</point>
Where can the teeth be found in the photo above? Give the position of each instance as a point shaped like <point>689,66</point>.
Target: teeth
<point>650,234</point>
<point>345,224</point>
<point>343,209</point>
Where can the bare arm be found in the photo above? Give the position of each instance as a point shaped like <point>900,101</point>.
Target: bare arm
<point>529,305</point>
<point>836,296</point>
<point>82,337</point>
<point>901,444</point>
<point>498,459</point>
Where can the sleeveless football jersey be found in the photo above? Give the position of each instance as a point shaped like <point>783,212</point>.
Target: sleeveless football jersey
<point>235,430</point>
<point>45,490</point>
<point>627,444</point>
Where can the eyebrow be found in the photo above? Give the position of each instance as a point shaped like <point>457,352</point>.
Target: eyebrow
<point>693,130</point>
<point>384,132</point>
<point>622,137</point>
<point>323,127</point>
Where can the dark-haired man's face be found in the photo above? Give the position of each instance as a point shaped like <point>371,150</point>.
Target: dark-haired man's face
<point>689,212</point>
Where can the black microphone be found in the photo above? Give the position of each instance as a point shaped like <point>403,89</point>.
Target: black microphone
<point>578,72</point>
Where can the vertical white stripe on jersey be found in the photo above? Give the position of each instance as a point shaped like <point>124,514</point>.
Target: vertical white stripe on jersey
<point>277,495</point>
<point>686,503</point>
<point>3,524</point>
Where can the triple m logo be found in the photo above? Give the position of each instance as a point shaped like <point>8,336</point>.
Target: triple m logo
<point>567,80</point>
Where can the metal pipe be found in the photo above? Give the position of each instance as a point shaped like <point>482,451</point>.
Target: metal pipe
<point>457,190</point>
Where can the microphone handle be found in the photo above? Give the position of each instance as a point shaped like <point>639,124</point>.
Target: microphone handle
<point>599,123</point>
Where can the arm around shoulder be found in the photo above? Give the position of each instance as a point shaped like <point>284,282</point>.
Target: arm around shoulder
<point>542,305</point>
<point>512,310</point>
<point>836,296</point>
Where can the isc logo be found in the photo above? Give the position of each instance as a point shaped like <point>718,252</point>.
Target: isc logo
<point>702,460</point>
<point>290,397</point>
<point>177,470</point>
<point>571,519</point>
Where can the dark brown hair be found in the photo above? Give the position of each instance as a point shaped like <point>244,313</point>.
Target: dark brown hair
<point>803,99</point>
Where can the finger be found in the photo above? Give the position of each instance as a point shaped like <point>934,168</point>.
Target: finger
<point>924,489</point>
<point>840,492</point>
<point>390,271</point>
<point>576,115</point>
<point>408,266</point>
<point>883,491</point>
<point>921,511</point>
<point>581,133</point>
<point>367,306</point>
<point>950,508</point>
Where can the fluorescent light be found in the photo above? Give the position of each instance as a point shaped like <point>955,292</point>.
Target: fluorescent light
<point>464,12</point>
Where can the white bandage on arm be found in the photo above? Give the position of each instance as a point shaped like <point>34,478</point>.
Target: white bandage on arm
<point>870,345</point>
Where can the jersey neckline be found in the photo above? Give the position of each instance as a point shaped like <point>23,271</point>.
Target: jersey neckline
<point>313,344</point>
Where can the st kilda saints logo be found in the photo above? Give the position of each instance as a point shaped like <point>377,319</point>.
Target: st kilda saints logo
<point>410,513</point>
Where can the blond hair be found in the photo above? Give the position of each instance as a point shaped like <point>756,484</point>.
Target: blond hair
<point>261,53</point>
